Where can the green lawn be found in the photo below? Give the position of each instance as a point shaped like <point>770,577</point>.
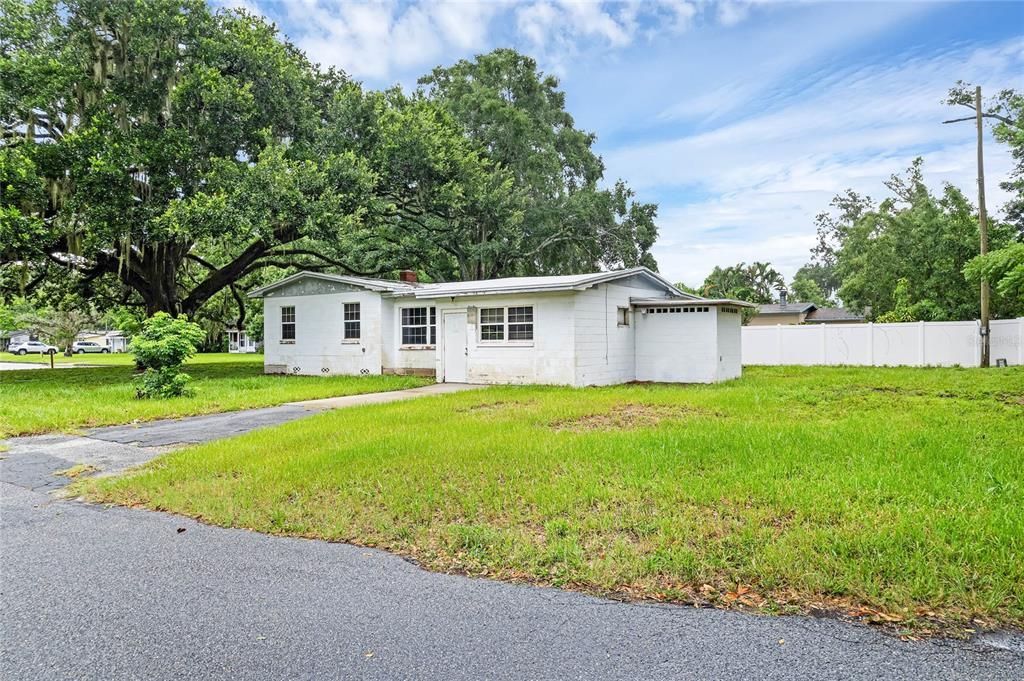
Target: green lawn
<point>867,491</point>
<point>125,359</point>
<point>44,400</point>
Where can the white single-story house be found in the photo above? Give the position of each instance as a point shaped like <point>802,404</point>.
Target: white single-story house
<point>114,341</point>
<point>588,329</point>
<point>8,338</point>
<point>239,342</point>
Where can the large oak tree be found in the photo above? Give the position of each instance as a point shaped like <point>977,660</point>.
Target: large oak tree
<point>566,222</point>
<point>174,154</point>
<point>120,111</point>
<point>180,151</point>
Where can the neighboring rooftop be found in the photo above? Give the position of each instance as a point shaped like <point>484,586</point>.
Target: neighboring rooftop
<point>785,308</point>
<point>812,314</point>
<point>820,315</point>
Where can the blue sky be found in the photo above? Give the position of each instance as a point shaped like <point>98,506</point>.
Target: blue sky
<point>740,119</point>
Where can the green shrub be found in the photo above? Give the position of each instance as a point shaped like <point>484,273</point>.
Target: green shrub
<point>164,343</point>
<point>165,382</point>
<point>903,310</point>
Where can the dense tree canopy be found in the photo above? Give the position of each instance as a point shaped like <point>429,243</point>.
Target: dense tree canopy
<point>805,288</point>
<point>913,235</point>
<point>120,113</point>
<point>160,154</point>
<point>813,281</point>
<point>755,283</point>
<point>563,221</point>
<point>1005,111</point>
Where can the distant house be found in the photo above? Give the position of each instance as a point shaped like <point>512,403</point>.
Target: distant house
<point>115,341</point>
<point>239,342</point>
<point>8,338</point>
<point>785,312</point>
<point>587,329</point>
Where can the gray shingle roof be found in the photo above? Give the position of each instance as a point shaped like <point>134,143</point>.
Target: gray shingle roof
<point>788,308</point>
<point>833,314</point>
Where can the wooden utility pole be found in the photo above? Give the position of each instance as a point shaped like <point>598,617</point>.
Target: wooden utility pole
<point>983,233</point>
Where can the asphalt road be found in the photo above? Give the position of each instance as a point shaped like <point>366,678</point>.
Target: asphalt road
<point>88,592</point>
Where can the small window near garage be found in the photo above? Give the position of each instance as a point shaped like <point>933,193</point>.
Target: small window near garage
<point>288,323</point>
<point>351,330</point>
<point>419,326</point>
<point>622,316</point>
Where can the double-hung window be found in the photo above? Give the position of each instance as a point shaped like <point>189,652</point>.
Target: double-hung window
<point>506,324</point>
<point>350,322</point>
<point>288,323</point>
<point>419,326</point>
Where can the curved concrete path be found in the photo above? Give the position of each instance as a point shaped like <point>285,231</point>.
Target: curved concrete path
<point>89,592</point>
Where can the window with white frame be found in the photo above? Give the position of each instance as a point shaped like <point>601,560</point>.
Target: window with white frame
<point>623,316</point>
<point>508,324</point>
<point>288,323</point>
<point>419,326</point>
<point>351,322</point>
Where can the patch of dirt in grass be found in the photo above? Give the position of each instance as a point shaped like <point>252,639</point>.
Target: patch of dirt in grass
<point>629,417</point>
<point>493,407</point>
<point>977,396</point>
<point>1012,398</point>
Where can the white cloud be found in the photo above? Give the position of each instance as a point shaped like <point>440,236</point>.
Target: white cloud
<point>379,39</point>
<point>762,178</point>
<point>536,21</point>
<point>731,12</point>
<point>680,13</point>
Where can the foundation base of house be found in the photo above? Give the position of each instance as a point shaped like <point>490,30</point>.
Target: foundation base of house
<point>401,371</point>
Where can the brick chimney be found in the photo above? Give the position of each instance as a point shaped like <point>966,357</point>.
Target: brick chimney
<point>782,297</point>
<point>408,276</point>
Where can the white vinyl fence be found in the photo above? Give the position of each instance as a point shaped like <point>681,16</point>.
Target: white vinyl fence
<point>909,344</point>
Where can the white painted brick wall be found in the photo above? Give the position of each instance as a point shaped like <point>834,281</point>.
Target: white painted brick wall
<point>395,357</point>
<point>606,352</point>
<point>318,334</point>
<point>548,359</point>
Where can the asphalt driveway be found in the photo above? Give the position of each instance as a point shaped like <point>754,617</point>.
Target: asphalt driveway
<point>89,592</point>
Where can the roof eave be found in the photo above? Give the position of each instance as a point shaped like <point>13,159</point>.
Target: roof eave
<point>262,291</point>
<point>606,277</point>
<point>651,302</point>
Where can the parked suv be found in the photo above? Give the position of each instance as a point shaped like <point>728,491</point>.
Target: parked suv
<point>34,347</point>
<point>78,347</point>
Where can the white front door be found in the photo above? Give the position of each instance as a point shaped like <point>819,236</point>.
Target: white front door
<point>455,347</point>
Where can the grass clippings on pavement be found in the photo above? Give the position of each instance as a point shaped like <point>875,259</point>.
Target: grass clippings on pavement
<point>77,470</point>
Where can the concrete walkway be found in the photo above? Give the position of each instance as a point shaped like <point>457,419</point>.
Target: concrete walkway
<point>20,366</point>
<point>32,461</point>
<point>391,396</point>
